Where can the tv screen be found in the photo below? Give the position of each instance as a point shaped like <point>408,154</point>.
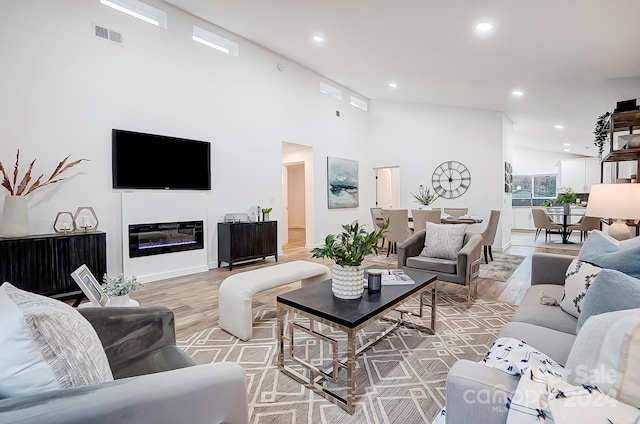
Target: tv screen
<point>148,161</point>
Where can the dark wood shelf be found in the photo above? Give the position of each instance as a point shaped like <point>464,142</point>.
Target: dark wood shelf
<point>623,121</point>
<point>622,155</point>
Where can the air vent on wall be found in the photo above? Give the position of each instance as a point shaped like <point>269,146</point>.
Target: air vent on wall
<point>107,34</point>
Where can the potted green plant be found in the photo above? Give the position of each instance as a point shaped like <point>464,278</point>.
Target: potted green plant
<point>265,213</point>
<point>600,133</point>
<point>118,288</point>
<point>424,196</point>
<point>565,197</point>
<point>348,249</point>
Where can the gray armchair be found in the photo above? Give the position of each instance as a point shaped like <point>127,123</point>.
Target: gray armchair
<point>155,382</point>
<point>461,271</point>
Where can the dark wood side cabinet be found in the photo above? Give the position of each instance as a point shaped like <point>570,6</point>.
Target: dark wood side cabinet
<point>43,263</point>
<point>243,241</point>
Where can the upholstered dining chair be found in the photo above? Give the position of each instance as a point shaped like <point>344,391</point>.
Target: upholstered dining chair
<point>377,220</point>
<point>422,216</point>
<point>586,224</point>
<point>456,212</point>
<point>542,222</point>
<point>398,230</point>
<point>489,234</point>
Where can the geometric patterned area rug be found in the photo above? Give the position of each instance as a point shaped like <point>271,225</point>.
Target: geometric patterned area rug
<point>401,379</point>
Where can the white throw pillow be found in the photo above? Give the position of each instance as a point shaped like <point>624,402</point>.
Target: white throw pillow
<point>606,354</point>
<point>577,281</point>
<point>46,345</point>
<point>443,240</point>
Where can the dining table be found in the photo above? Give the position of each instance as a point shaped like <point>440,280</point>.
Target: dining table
<point>562,218</point>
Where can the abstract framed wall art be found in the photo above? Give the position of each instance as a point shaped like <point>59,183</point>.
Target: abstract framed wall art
<point>508,178</point>
<point>342,183</point>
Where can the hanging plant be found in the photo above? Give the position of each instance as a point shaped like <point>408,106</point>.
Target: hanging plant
<point>600,133</point>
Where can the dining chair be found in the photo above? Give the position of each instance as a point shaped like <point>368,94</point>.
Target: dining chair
<point>422,216</point>
<point>398,230</point>
<point>542,222</point>
<point>586,224</point>
<point>377,220</point>
<point>456,212</point>
<point>489,234</point>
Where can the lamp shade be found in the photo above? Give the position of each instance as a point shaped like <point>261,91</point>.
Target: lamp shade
<point>614,201</point>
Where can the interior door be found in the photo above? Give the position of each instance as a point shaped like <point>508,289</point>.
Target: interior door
<point>383,188</point>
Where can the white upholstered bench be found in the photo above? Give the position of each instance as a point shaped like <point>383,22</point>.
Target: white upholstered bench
<point>237,291</point>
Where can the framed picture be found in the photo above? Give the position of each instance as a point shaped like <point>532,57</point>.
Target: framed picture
<point>342,183</point>
<point>508,178</point>
<point>90,286</point>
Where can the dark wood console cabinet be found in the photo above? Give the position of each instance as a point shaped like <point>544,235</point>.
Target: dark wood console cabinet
<point>242,241</point>
<point>43,263</point>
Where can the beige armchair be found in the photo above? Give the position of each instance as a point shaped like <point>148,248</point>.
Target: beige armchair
<point>398,230</point>
<point>422,216</point>
<point>456,212</point>
<point>542,222</point>
<point>461,271</point>
<point>489,234</point>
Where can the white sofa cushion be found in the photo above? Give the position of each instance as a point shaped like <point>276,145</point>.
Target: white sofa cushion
<point>443,240</point>
<point>578,279</point>
<point>45,344</point>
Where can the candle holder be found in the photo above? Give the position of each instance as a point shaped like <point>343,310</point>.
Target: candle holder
<point>87,221</point>
<point>61,226</point>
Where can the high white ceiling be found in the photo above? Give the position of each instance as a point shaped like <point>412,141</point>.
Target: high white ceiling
<point>573,59</point>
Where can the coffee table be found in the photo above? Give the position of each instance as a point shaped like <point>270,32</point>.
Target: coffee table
<point>317,303</point>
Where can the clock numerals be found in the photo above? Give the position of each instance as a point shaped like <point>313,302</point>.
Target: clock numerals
<point>451,179</point>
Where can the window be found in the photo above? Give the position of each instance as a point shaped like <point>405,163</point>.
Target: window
<point>330,90</point>
<point>533,190</point>
<point>360,104</point>
<point>215,41</point>
<point>139,10</point>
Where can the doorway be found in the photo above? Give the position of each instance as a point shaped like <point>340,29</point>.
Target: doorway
<point>387,187</point>
<point>297,196</point>
<point>295,209</point>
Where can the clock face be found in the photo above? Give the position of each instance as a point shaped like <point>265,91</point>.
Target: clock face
<point>451,179</point>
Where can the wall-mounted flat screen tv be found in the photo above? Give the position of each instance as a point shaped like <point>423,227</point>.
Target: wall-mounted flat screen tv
<point>149,161</point>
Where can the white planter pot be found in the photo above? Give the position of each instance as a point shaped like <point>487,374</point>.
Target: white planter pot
<point>119,300</point>
<point>347,282</point>
<point>15,217</point>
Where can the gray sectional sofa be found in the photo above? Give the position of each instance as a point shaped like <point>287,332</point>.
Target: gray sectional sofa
<point>475,390</point>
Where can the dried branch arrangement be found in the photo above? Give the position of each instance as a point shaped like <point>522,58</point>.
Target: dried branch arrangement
<point>23,188</point>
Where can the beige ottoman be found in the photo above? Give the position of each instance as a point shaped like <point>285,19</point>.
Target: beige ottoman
<point>237,291</point>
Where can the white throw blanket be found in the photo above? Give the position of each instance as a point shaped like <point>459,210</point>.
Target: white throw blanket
<point>542,394</point>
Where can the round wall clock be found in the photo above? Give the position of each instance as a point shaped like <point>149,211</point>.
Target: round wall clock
<point>451,179</point>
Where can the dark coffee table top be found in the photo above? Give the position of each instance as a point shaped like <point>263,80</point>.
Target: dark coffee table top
<point>318,299</point>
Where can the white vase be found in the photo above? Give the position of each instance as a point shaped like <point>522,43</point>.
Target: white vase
<point>348,281</point>
<point>122,300</point>
<point>15,217</point>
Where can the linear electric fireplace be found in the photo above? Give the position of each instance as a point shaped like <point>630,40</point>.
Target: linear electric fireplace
<point>164,237</point>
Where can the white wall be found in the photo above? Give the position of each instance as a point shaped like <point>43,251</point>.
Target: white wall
<point>506,216</point>
<point>530,161</point>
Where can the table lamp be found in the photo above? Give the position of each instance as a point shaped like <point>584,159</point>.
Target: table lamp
<point>618,201</point>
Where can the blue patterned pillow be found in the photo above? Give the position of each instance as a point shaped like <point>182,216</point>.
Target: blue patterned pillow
<point>600,251</point>
<point>610,291</point>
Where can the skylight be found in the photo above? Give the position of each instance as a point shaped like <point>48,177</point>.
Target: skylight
<point>330,90</point>
<point>215,41</point>
<point>139,10</point>
<point>360,104</point>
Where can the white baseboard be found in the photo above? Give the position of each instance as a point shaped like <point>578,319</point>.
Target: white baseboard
<point>149,278</point>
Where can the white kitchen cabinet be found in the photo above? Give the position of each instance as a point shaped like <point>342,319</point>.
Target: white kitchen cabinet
<point>579,174</point>
<point>522,219</point>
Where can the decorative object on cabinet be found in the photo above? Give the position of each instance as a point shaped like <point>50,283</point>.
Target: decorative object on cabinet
<point>424,196</point>
<point>15,217</point>
<point>243,241</point>
<point>342,183</point>
<point>90,286</point>
<point>348,249</point>
<point>451,179</point>
<point>617,201</point>
<point>86,222</point>
<point>62,225</point>
<point>265,213</point>
<point>508,177</point>
<point>600,132</point>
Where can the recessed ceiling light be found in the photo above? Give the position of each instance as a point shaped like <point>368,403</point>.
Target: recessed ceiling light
<point>559,126</point>
<point>484,26</point>
<point>393,85</point>
<point>517,93</point>
<point>567,150</point>
<point>566,144</point>
<point>318,38</point>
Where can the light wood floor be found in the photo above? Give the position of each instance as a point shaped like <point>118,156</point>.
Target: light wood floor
<point>194,298</point>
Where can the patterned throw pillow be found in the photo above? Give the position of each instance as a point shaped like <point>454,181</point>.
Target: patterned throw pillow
<point>46,345</point>
<point>443,240</point>
<point>577,281</point>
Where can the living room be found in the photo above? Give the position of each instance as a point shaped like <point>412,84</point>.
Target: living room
<point>65,90</point>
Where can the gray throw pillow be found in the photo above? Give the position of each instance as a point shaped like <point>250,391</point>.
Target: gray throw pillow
<point>443,240</point>
<point>601,251</point>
